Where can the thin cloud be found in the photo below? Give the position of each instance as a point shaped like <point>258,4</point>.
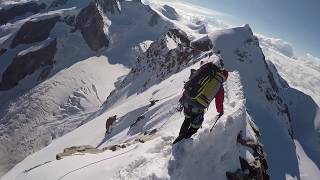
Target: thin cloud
<point>313,58</point>
<point>277,44</point>
<point>181,5</point>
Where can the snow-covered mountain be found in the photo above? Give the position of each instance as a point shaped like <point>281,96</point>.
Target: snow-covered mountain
<point>70,66</point>
<point>54,71</point>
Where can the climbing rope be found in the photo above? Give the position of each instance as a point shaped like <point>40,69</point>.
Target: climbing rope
<point>172,111</point>
<point>93,163</point>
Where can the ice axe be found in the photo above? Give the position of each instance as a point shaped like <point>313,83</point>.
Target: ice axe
<point>218,117</point>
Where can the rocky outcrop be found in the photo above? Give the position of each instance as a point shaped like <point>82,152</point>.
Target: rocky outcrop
<point>90,23</point>
<point>27,64</point>
<point>109,123</point>
<point>254,169</point>
<point>153,102</point>
<point>203,44</point>
<point>167,55</point>
<point>78,149</point>
<point>179,36</point>
<point>169,12</point>
<point>146,136</point>
<point>10,13</point>
<point>268,85</point>
<point>272,95</point>
<point>34,31</point>
<point>111,6</point>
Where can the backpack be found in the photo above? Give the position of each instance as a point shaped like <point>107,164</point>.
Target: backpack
<point>204,84</point>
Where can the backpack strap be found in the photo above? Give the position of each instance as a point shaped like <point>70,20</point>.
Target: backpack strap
<point>222,77</point>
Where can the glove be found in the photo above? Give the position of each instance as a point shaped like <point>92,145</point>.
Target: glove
<point>180,108</point>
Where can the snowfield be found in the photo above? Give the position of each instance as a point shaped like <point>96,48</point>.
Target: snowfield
<point>55,129</point>
<point>205,154</point>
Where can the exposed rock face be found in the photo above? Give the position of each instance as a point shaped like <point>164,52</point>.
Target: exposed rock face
<point>34,31</point>
<point>78,149</point>
<point>109,123</point>
<point>111,6</point>
<point>267,85</point>
<point>256,169</point>
<point>203,44</point>
<point>19,10</point>
<point>90,23</point>
<point>153,102</point>
<point>179,36</point>
<point>27,64</point>
<point>170,12</point>
<point>160,59</point>
<point>273,96</point>
<point>167,55</point>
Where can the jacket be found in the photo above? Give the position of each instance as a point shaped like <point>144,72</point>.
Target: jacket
<point>219,98</point>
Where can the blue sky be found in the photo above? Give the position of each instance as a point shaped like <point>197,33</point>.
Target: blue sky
<point>295,21</point>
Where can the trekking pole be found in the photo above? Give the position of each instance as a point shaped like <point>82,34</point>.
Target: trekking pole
<point>219,116</point>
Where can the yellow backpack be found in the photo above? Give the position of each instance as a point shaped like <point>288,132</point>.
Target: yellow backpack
<point>204,84</point>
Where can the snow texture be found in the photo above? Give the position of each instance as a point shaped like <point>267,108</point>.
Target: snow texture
<point>69,108</point>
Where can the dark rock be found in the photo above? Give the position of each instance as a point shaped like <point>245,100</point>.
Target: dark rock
<point>10,13</point>
<point>161,60</point>
<point>109,123</point>
<point>179,36</point>
<point>27,64</point>
<point>238,175</point>
<point>170,12</point>
<point>90,23</point>
<point>251,170</point>
<point>270,76</point>
<point>78,149</point>
<point>34,31</point>
<point>57,3</point>
<point>109,5</point>
<point>2,51</point>
<point>115,147</point>
<point>203,44</point>
<point>153,102</point>
<point>153,131</point>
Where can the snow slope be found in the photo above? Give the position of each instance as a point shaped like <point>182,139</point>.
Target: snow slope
<point>156,155</point>
<point>254,92</point>
<point>57,98</point>
<point>299,73</point>
<point>211,154</point>
<point>68,100</point>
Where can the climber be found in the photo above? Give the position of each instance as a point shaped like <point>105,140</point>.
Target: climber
<point>203,86</point>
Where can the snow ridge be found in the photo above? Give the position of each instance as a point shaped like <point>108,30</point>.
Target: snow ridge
<point>148,72</point>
